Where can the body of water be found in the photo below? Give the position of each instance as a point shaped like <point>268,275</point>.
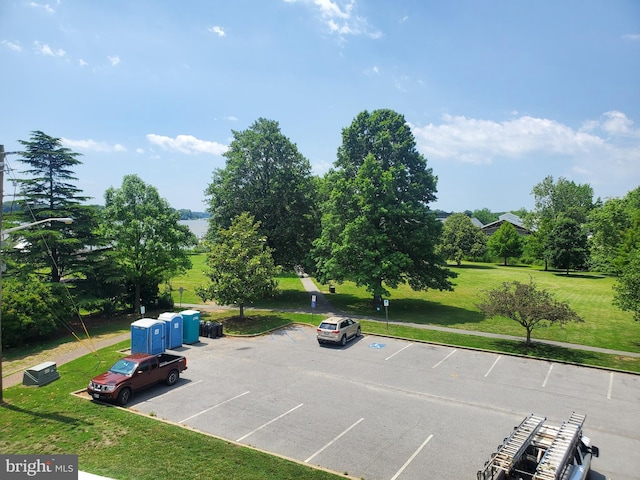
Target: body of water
<point>198,227</point>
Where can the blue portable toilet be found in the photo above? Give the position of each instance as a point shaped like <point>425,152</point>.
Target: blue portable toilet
<point>147,336</point>
<point>173,329</point>
<point>190,326</point>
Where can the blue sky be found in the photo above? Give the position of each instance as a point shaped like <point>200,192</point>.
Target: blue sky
<point>499,93</point>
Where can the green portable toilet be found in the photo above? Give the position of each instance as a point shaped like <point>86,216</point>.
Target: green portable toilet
<point>190,326</point>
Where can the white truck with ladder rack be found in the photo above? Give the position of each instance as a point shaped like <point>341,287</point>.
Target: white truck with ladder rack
<point>539,451</point>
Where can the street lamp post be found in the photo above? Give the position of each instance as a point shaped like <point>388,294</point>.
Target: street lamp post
<point>9,230</point>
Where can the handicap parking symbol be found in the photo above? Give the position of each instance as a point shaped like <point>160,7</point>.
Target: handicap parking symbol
<point>377,345</point>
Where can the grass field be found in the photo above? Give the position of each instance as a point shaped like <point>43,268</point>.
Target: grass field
<point>590,295</point>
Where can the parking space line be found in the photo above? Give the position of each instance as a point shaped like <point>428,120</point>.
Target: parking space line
<point>391,356</point>
<point>415,454</point>
<point>332,441</point>
<point>451,353</point>
<point>269,423</point>
<point>176,389</point>
<point>211,408</point>
<point>546,379</point>
<point>494,364</point>
<point>610,386</point>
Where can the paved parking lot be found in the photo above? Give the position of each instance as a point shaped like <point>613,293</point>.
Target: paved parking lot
<point>389,409</point>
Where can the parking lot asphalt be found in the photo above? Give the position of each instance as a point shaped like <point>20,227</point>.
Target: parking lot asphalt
<point>383,408</point>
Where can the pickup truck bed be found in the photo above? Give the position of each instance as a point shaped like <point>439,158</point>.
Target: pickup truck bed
<point>136,372</point>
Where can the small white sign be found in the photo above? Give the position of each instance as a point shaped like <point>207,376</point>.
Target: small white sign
<point>386,303</point>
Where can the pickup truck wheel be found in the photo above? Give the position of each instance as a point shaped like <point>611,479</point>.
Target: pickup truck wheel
<point>124,396</point>
<point>173,377</point>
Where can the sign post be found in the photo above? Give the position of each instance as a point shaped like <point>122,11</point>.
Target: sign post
<point>313,306</point>
<point>386,312</point>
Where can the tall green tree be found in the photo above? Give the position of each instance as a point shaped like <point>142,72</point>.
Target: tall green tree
<point>527,305</point>
<point>505,242</point>
<point>567,245</point>
<point>610,227</point>
<point>47,190</point>
<point>268,177</point>
<point>461,238</point>
<point>553,199</point>
<point>627,287</point>
<point>377,228</point>
<point>241,268</point>
<point>148,244</point>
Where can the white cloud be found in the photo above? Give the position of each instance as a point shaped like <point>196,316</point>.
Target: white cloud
<point>44,49</point>
<point>340,17</point>
<point>187,144</point>
<point>632,36</point>
<point>231,118</point>
<point>217,30</point>
<point>15,46</point>
<point>140,151</point>
<point>602,153</point>
<point>93,146</point>
<point>82,63</point>
<point>46,7</point>
<point>481,141</point>
<point>114,59</point>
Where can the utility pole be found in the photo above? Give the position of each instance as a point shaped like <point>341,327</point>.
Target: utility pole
<point>1,265</point>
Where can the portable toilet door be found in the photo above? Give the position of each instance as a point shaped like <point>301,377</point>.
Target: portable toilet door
<point>190,326</point>
<point>147,336</point>
<point>173,329</point>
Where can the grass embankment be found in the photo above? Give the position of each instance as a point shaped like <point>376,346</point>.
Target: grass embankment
<point>119,444</point>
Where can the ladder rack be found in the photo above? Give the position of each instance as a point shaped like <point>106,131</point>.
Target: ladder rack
<point>512,448</point>
<point>555,458</point>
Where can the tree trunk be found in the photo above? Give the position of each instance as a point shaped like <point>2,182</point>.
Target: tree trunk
<point>136,299</point>
<point>242,310</point>
<point>528,342</point>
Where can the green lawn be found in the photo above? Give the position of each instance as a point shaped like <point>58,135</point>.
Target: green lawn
<point>120,444</point>
<point>590,295</point>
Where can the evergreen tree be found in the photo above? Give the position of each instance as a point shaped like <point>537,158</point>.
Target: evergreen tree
<point>48,191</point>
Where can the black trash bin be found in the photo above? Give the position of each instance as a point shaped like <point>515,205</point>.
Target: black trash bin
<point>332,289</point>
<point>211,331</point>
<point>219,327</point>
<point>201,330</point>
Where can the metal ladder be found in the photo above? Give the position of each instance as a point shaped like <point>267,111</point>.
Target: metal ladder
<point>513,447</point>
<point>555,458</point>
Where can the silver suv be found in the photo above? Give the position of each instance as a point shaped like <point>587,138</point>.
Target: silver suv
<point>338,330</point>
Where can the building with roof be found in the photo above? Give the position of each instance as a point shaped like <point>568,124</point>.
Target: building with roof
<point>490,228</point>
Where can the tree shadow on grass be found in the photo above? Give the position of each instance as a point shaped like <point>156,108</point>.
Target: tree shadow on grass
<point>408,310</point>
<point>548,352</point>
<point>49,416</point>
<point>578,275</point>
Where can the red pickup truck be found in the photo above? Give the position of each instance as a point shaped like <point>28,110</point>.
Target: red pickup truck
<point>134,373</point>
